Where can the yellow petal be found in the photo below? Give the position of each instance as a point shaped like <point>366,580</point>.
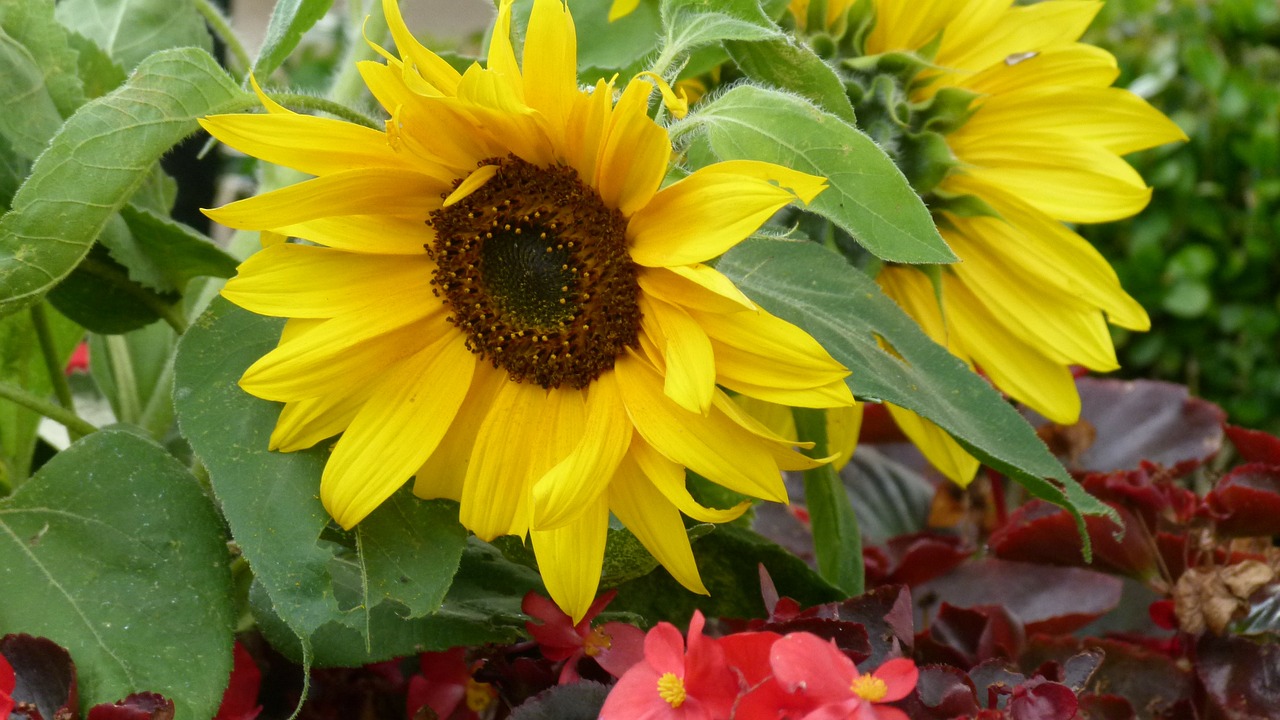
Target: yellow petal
<point>668,478</point>
<point>474,182</point>
<point>1071,181</point>
<point>908,26</point>
<point>689,367</point>
<point>578,481</point>
<point>715,208</point>
<point>634,152</point>
<point>843,427</point>
<point>443,473</point>
<point>656,524</point>
<point>622,8</point>
<point>351,192</point>
<point>416,403</point>
<point>355,345</point>
<point>969,47</point>
<point>497,491</point>
<point>939,448</point>
<point>313,145</point>
<point>304,423</point>
<point>780,448</point>
<point>712,446</point>
<point>290,280</point>
<point>551,62</point>
<point>701,287</point>
<point>586,127</point>
<point>372,234</point>
<point>502,56</point>
<point>570,558</point>
<point>1015,367</point>
<point>439,74</point>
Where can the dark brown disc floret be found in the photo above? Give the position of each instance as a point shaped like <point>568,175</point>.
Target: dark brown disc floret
<point>535,271</point>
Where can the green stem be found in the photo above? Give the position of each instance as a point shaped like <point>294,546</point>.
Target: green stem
<point>120,362</point>
<point>221,27</point>
<point>53,362</point>
<point>837,541</point>
<point>337,109</point>
<point>73,422</point>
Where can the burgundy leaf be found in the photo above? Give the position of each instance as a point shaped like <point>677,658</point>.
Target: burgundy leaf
<point>1246,502</point>
<point>138,706</point>
<point>1152,681</point>
<point>1255,445</point>
<point>994,678</point>
<point>1241,676</point>
<point>45,677</point>
<point>1149,492</point>
<point>1177,554</point>
<point>967,636</point>
<point>942,692</point>
<point>1144,420</point>
<point>1041,532</point>
<point>886,615</point>
<point>850,637</point>
<point>1044,598</point>
<point>916,558</point>
<point>1106,707</point>
<point>1040,699</point>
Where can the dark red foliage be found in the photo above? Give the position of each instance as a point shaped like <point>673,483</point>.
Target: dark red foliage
<point>1246,502</point>
<point>1150,492</point>
<point>139,706</point>
<point>1106,707</point>
<point>1040,699</point>
<point>1242,677</point>
<point>240,701</point>
<point>1255,445</point>
<point>8,681</point>
<point>942,692</point>
<point>1044,598</point>
<point>1040,532</point>
<point>1152,681</point>
<point>966,636</point>
<point>886,613</point>
<point>914,559</point>
<point>44,686</point>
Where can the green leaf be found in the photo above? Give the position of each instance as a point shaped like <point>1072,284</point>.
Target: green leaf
<point>410,547</point>
<point>163,255</point>
<point>31,24</point>
<point>21,363</point>
<point>269,499</point>
<point>114,552</point>
<point>617,46</point>
<point>410,550</point>
<point>96,162</point>
<point>131,30</point>
<point>729,561</point>
<point>815,289</point>
<point>691,24</point>
<point>134,370</point>
<point>289,20</point>
<point>98,71</point>
<point>99,295</point>
<point>22,86</point>
<point>868,196</point>
<point>13,170</point>
<point>788,64</point>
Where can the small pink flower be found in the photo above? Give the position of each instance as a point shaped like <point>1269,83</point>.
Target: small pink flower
<point>79,361</point>
<point>672,683</point>
<point>614,646</point>
<point>446,686</point>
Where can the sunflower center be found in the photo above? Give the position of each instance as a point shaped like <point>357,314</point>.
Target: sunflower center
<point>535,270</point>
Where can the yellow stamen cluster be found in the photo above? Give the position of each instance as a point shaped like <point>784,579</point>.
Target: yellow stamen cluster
<point>869,688</point>
<point>671,689</point>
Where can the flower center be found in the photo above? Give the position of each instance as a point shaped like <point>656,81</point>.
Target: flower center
<point>535,270</point>
<point>479,695</point>
<point>869,687</point>
<point>596,642</point>
<point>671,689</point>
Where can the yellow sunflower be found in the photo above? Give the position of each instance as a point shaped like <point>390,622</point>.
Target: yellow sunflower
<point>1029,296</point>
<point>498,297</point>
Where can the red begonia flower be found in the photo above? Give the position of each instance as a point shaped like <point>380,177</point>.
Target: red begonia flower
<point>824,683</point>
<point>614,646</point>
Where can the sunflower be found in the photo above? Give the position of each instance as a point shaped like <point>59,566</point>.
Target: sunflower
<point>498,297</point>
<point>1041,145</point>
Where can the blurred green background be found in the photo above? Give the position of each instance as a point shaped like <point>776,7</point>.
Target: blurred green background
<point>1203,258</point>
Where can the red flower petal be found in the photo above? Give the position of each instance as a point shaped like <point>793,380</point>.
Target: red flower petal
<point>899,676</point>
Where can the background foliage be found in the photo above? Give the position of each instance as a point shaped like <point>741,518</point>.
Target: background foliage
<point>1202,258</point>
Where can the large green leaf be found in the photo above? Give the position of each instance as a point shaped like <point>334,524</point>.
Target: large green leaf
<point>690,24</point>
<point>95,163</point>
<point>817,290</point>
<point>868,197</point>
<point>22,86</point>
<point>411,548</point>
<point>113,551</point>
<point>785,63</point>
<point>31,24</point>
<point>289,20</point>
<point>131,30</point>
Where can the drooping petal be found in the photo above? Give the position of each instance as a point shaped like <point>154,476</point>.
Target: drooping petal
<point>690,364</point>
<point>437,73</point>
<point>578,480</point>
<point>715,208</point>
<point>655,522</point>
<point>712,446</point>
<point>700,287</point>
<point>502,56</point>
<point>417,401</point>
<point>496,494</point>
<point>305,422</point>
<point>443,473</point>
<point>570,558</point>
<point>939,448</point>
<point>634,152</point>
